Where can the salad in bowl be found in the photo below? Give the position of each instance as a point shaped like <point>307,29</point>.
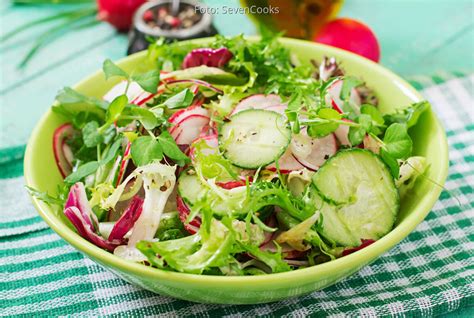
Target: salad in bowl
<point>232,159</point>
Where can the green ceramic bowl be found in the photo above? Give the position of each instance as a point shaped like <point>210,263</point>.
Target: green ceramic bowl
<point>429,141</point>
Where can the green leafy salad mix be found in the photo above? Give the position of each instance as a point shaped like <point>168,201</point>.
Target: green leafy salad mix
<point>232,159</point>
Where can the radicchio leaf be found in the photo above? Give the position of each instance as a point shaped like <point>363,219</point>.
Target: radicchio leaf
<point>79,212</point>
<point>85,230</point>
<point>206,56</point>
<point>127,220</point>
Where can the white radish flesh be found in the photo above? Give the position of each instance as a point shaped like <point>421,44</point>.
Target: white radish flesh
<point>334,98</point>
<point>320,150</point>
<point>258,101</point>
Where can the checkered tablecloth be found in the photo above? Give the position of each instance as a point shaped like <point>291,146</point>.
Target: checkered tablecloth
<point>429,273</point>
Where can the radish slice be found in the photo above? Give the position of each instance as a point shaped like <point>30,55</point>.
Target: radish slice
<point>124,163</point>
<point>189,124</point>
<point>278,108</point>
<point>319,150</point>
<point>183,113</point>
<point>371,144</point>
<point>257,101</point>
<point>287,163</point>
<point>183,210</point>
<point>334,98</point>
<point>133,92</point>
<point>231,184</point>
<point>189,129</point>
<point>342,134</point>
<point>211,141</point>
<point>62,153</point>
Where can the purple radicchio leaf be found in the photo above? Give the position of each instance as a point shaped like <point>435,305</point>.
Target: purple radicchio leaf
<point>79,212</point>
<point>206,56</point>
<point>127,220</point>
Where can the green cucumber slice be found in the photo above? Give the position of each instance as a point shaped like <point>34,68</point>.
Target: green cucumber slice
<point>358,197</point>
<point>254,138</point>
<point>191,189</point>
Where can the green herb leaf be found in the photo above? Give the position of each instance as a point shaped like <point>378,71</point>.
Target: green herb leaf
<point>365,121</point>
<point>348,84</point>
<point>373,112</point>
<point>391,163</point>
<point>181,100</point>
<point>44,196</point>
<point>148,81</point>
<point>116,108</point>
<point>111,69</point>
<point>91,135</point>
<point>111,152</point>
<point>69,96</point>
<point>145,116</point>
<point>397,142</point>
<point>356,135</point>
<point>82,172</point>
<point>145,149</point>
<point>317,130</point>
<point>294,106</point>
<point>409,115</point>
<point>171,149</point>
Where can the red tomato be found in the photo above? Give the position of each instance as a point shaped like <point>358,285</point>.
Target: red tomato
<point>350,35</point>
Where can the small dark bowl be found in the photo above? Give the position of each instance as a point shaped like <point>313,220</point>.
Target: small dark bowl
<point>141,31</point>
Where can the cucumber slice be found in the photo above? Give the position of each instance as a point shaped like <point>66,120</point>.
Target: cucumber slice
<point>361,200</point>
<point>254,138</point>
<point>190,187</point>
<point>192,190</point>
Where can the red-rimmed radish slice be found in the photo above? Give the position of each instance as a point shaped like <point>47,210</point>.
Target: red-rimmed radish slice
<point>62,153</point>
<point>124,163</point>
<point>198,101</point>
<point>316,150</point>
<point>210,140</point>
<point>342,134</point>
<point>134,91</point>
<point>334,98</point>
<point>183,210</point>
<point>286,163</point>
<point>191,110</point>
<point>371,144</point>
<point>257,101</point>
<point>231,184</point>
<point>189,129</point>
<point>188,124</point>
<point>209,130</point>
<point>278,108</point>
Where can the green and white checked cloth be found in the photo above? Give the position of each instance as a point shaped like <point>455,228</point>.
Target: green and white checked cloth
<point>429,273</point>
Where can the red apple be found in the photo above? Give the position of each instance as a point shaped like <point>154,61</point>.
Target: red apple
<point>350,35</point>
<point>119,13</point>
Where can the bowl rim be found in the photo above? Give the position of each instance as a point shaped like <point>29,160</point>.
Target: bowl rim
<point>359,258</point>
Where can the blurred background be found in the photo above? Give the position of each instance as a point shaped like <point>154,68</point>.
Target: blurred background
<point>48,44</point>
